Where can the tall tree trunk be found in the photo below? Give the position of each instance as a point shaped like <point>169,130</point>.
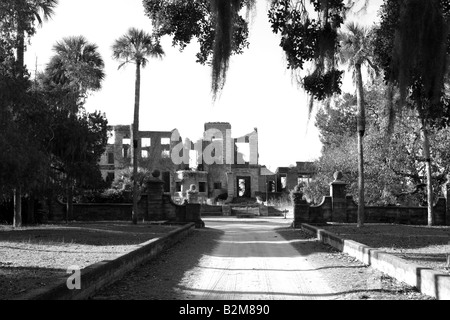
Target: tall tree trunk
<point>20,49</point>
<point>361,127</point>
<point>20,70</point>
<point>17,208</point>
<point>30,211</point>
<point>20,9</point>
<point>324,15</point>
<point>427,156</point>
<point>69,203</point>
<point>135,141</point>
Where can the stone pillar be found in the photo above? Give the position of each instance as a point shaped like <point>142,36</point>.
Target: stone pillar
<point>446,193</point>
<point>155,191</point>
<point>301,208</point>
<point>193,214</point>
<point>338,197</point>
<point>192,194</point>
<point>230,185</point>
<point>226,210</point>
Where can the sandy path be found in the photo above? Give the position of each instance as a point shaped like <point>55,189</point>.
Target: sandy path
<point>246,259</point>
<point>252,261</point>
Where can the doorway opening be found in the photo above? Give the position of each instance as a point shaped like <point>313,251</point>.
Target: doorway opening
<point>243,187</point>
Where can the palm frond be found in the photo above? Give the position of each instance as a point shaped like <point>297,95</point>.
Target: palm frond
<point>136,46</point>
<point>77,64</point>
<point>355,46</point>
<point>43,10</point>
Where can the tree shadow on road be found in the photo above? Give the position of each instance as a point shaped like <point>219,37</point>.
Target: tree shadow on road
<point>304,243</point>
<point>159,278</point>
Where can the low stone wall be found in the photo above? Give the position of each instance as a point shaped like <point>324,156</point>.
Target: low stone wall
<point>227,210</point>
<point>166,211</point>
<point>102,212</point>
<point>104,273</point>
<point>153,206</point>
<point>401,215</point>
<point>339,207</point>
<point>208,210</point>
<point>244,211</point>
<point>427,281</point>
<point>92,211</point>
<point>304,213</point>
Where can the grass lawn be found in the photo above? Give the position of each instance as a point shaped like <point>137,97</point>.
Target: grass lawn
<point>33,257</point>
<point>423,245</point>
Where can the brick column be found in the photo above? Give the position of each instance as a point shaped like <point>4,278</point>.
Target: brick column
<point>301,208</point>
<point>192,194</point>
<point>230,185</point>
<point>193,214</point>
<point>446,193</point>
<point>155,191</point>
<point>338,197</point>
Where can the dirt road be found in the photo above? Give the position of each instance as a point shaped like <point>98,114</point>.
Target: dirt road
<point>252,259</point>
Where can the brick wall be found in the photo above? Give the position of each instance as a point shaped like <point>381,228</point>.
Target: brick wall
<point>339,207</point>
<point>154,206</point>
<point>92,211</point>
<point>207,210</point>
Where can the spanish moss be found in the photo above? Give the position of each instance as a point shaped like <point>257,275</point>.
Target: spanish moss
<point>223,12</point>
<point>420,48</point>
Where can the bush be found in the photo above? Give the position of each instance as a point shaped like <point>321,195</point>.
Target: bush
<point>281,202</point>
<point>107,196</point>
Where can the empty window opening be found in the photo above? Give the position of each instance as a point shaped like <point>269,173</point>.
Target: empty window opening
<point>165,154</point>
<point>110,176</point>
<point>144,154</point>
<point>271,186</point>
<point>110,158</point>
<point>125,147</point>
<point>166,179</point>
<point>146,142</point>
<point>165,141</point>
<point>178,186</point>
<point>303,180</point>
<point>193,159</point>
<point>283,183</point>
<point>125,150</point>
<point>243,150</point>
<point>111,137</point>
<point>243,187</point>
<point>202,187</point>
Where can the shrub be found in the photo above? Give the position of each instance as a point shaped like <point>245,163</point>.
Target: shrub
<point>107,196</point>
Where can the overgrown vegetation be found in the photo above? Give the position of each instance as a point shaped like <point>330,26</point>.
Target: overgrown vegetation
<point>395,169</point>
<point>50,145</point>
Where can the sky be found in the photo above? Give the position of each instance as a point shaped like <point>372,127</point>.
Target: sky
<point>175,90</point>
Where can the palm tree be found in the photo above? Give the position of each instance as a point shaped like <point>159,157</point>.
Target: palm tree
<point>28,11</point>
<point>135,47</point>
<point>77,67</point>
<point>75,70</point>
<point>355,51</point>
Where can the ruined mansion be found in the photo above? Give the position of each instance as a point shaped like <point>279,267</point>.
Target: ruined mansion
<point>219,166</point>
